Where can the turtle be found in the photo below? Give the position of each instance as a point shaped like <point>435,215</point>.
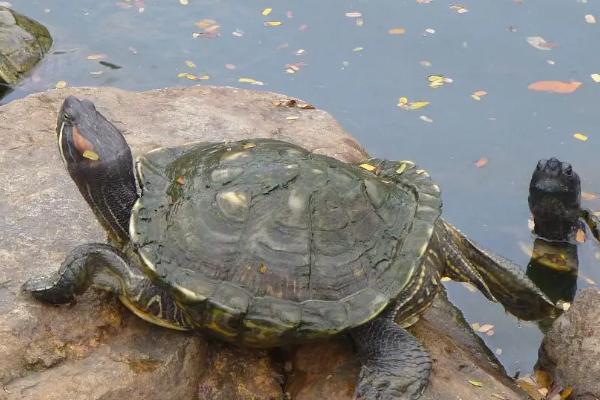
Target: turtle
<point>555,202</point>
<point>262,243</point>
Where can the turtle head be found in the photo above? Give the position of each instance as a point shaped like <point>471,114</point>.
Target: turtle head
<point>85,138</point>
<point>99,161</point>
<point>555,199</point>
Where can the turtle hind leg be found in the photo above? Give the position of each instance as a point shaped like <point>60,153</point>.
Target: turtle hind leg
<point>105,267</point>
<point>504,279</point>
<point>394,364</point>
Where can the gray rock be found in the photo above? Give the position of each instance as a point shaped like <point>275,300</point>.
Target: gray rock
<point>571,349</point>
<point>23,43</point>
<point>95,348</point>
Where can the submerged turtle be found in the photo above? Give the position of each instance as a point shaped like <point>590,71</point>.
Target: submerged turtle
<point>263,243</point>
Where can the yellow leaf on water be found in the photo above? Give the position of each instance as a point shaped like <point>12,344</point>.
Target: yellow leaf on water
<point>273,23</point>
<point>90,155</point>
<point>417,105</point>
<point>266,11</point>
<point>590,19</point>
<point>60,85</point>
<point>478,94</point>
<point>96,56</point>
<point>183,2</point>
<point>250,81</point>
<point>475,383</point>
<point>357,49</point>
<point>580,136</point>
<point>368,167</point>
<point>190,64</point>
<point>402,101</point>
<point>445,279</point>
<point>595,77</point>
<point>397,31</point>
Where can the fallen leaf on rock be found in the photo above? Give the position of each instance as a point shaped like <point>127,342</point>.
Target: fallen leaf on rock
<point>540,43</point>
<point>580,136</point>
<point>554,86</point>
<point>482,162</point>
<point>475,383</point>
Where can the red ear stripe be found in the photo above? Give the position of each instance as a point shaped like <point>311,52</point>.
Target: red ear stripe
<point>81,144</point>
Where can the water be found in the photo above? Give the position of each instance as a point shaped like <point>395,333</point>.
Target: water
<point>358,73</point>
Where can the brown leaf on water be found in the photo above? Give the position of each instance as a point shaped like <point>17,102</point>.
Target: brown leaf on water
<point>554,86</point>
<point>209,27</point>
<point>482,162</point>
<point>587,196</point>
<point>580,236</point>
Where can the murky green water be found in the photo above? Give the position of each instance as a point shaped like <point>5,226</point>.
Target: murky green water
<point>354,68</point>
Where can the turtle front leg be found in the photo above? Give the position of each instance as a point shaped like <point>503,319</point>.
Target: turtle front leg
<point>501,277</point>
<point>105,267</point>
<point>394,365</point>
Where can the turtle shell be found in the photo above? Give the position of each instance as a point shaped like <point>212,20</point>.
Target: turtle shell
<point>266,243</point>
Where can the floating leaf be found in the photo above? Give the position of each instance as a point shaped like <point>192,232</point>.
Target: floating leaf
<point>193,77</point>
<point>482,162</point>
<point>587,196</point>
<point>110,65</point>
<point>485,328</point>
<point>96,56</point>
<point>230,67</point>
<point>183,2</point>
<point>61,85</point>
<point>404,104</point>
<point>190,64</point>
<point>478,95</point>
<point>397,31</point>
<point>436,81</point>
<point>580,136</point>
<point>445,279</point>
<point>459,9</point>
<point>250,81</point>
<point>266,11</point>
<point>595,77</point>
<point>426,118</point>
<point>357,49</point>
<point>554,86</point>
<point>209,27</point>
<point>590,19</point>
<point>540,43</point>
<point>353,14</point>
<point>273,23</point>
<point>90,155</point>
<point>580,236</point>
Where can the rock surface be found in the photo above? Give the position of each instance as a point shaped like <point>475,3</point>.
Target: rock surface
<point>571,349</point>
<point>94,348</point>
<point>23,43</point>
